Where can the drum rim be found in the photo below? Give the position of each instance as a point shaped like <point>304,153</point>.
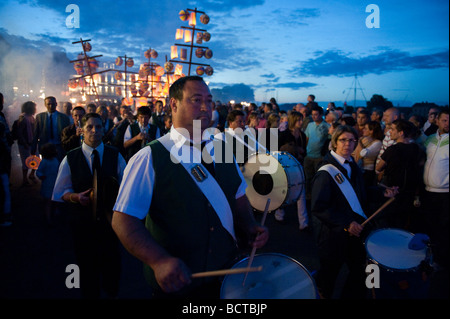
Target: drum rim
<point>278,255</point>
<point>392,269</point>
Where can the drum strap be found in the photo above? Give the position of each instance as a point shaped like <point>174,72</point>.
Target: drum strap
<point>207,184</point>
<point>345,187</point>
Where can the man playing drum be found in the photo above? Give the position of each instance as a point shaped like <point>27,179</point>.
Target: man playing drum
<point>190,212</point>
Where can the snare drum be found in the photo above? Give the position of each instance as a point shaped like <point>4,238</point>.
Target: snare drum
<point>281,277</point>
<point>400,267</point>
<point>278,176</point>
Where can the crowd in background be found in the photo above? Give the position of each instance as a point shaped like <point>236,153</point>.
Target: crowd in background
<point>304,131</point>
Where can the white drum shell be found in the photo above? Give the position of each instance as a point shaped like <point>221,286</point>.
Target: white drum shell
<point>287,175</point>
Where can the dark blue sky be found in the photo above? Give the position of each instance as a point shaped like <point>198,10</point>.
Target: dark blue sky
<point>280,48</point>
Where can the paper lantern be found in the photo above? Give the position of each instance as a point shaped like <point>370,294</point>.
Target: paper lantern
<point>93,64</point>
<point>32,162</point>
<point>147,54</point>
<point>206,36</point>
<point>154,54</point>
<point>130,62</point>
<point>144,86</point>
<point>199,52</point>
<point>118,76</point>
<point>178,69</point>
<point>132,77</point>
<point>199,39</point>
<point>179,34</point>
<point>87,46</point>
<point>168,66</point>
<point>204,18</point>
<point>200,70</point>
<point>184,15</point>
<point>82,82</point>
<point>119,61</point>
<point>133,90</point>
<point>159,70</point>
<point>208,54</point>
<point>183,54</point>
<point>118,90</point>
<point>209,70</point>
<point>78,66</point>
<point>187,36</point>
<point>192,19</point>
<point>72,84</point>
<point>173,52</point>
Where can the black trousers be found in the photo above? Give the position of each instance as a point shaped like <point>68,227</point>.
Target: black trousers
<point>338,248</point>
<point>98,257</point>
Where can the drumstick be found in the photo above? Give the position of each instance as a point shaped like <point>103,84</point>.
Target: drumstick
<point>379,210</point>
<point>225,272</point>
<point>252,255</point>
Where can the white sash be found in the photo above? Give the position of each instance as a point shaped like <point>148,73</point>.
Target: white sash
<point>208,186</point>
<point>345,187</point>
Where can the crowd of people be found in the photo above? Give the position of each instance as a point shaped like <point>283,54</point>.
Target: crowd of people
<point>381,153</point>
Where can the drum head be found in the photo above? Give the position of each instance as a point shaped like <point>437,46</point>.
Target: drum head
<point>265,179</point>
<point>280,278</point>
<point>389,248</point>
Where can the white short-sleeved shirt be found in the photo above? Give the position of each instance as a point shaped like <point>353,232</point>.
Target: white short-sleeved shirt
<point>63,182</point>
<point>136,189</point>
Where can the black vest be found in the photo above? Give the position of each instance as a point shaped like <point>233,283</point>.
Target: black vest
<point>82,180</point>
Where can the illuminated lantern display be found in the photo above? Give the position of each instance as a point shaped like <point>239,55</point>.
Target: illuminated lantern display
<point>144,86</point>
<point>168,66</point>
<point>184,15</point>
<point>209,70</point>
<point>204,18</point>
<point>200,70</point>
<point>208,54</point>
<point>192,19</point>
<point>118,76</point>
<point>130,62</point>
<point>153,54</point>
<point>132,77</point>
<point>179,34</point>
<point>119,61</point>
<point>187,36</point>
<point>178,69</point>
<point>118,90</point>
<point>147,54</point>
<point>173,52</point>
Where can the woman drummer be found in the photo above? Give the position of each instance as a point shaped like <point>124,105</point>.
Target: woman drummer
<point>341,235</point>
